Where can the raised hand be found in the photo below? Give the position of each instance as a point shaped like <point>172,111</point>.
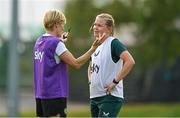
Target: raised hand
<point>64,36</point>
<point>98,40</point>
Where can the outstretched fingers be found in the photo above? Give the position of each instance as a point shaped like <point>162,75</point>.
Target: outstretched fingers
<point>100,38</point>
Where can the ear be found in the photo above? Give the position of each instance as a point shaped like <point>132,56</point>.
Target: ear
<point>111,31</point>
<point>55,25</point>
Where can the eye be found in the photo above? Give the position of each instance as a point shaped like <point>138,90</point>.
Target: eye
<point>97,25</point>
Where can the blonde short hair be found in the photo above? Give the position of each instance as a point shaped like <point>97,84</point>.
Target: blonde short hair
<point>51,17</point>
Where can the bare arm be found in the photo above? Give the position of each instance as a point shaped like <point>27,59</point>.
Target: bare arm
<point>89,72</point>
<point>68,58</point>
<point>128,64</point>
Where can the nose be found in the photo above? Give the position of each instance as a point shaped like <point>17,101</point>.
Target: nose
<point>95,27</point>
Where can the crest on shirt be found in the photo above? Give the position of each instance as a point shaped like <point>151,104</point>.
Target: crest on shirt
<point>96,53</point>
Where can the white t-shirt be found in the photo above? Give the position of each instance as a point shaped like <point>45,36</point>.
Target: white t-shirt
<point>61,48</point>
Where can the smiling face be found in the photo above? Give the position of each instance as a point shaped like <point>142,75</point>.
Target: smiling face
<point>99,27</point>
<point>104,23</point>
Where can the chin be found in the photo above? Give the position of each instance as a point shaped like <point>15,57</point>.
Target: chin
<point>95,35</point>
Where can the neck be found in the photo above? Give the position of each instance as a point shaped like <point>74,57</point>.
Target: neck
<point>105,38</point>
<point>51,33</point>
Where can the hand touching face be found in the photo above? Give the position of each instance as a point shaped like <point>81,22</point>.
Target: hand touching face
<point>99,40</point>
<point>100,27</point>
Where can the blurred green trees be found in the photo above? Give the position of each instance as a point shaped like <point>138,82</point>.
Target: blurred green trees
<point>157,31</point>
<point>157,21</point>
<point>157,36</point>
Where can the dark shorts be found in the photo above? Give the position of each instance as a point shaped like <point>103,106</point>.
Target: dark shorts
<point>105,106</point>
<point>51,107</point>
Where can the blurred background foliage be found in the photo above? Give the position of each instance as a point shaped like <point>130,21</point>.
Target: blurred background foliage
<point>156,49</point>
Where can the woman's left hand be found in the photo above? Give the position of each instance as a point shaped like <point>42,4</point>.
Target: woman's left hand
<point>110,87</point>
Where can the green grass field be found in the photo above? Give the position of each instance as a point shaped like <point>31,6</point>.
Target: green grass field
<point>136,110</point>
<point>128,110</point>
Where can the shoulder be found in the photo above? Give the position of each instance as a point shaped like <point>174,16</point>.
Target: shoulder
<point>56,39</point>
<point>60,48</point>
<point>117,44</point>
<point>52,40</point>
<point>116,41</point>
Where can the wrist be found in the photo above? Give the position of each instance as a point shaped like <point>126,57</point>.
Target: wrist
<point>93,48</point>
<point>115,81</point>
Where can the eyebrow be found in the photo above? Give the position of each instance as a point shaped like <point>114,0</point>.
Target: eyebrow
<point>98,24</point>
